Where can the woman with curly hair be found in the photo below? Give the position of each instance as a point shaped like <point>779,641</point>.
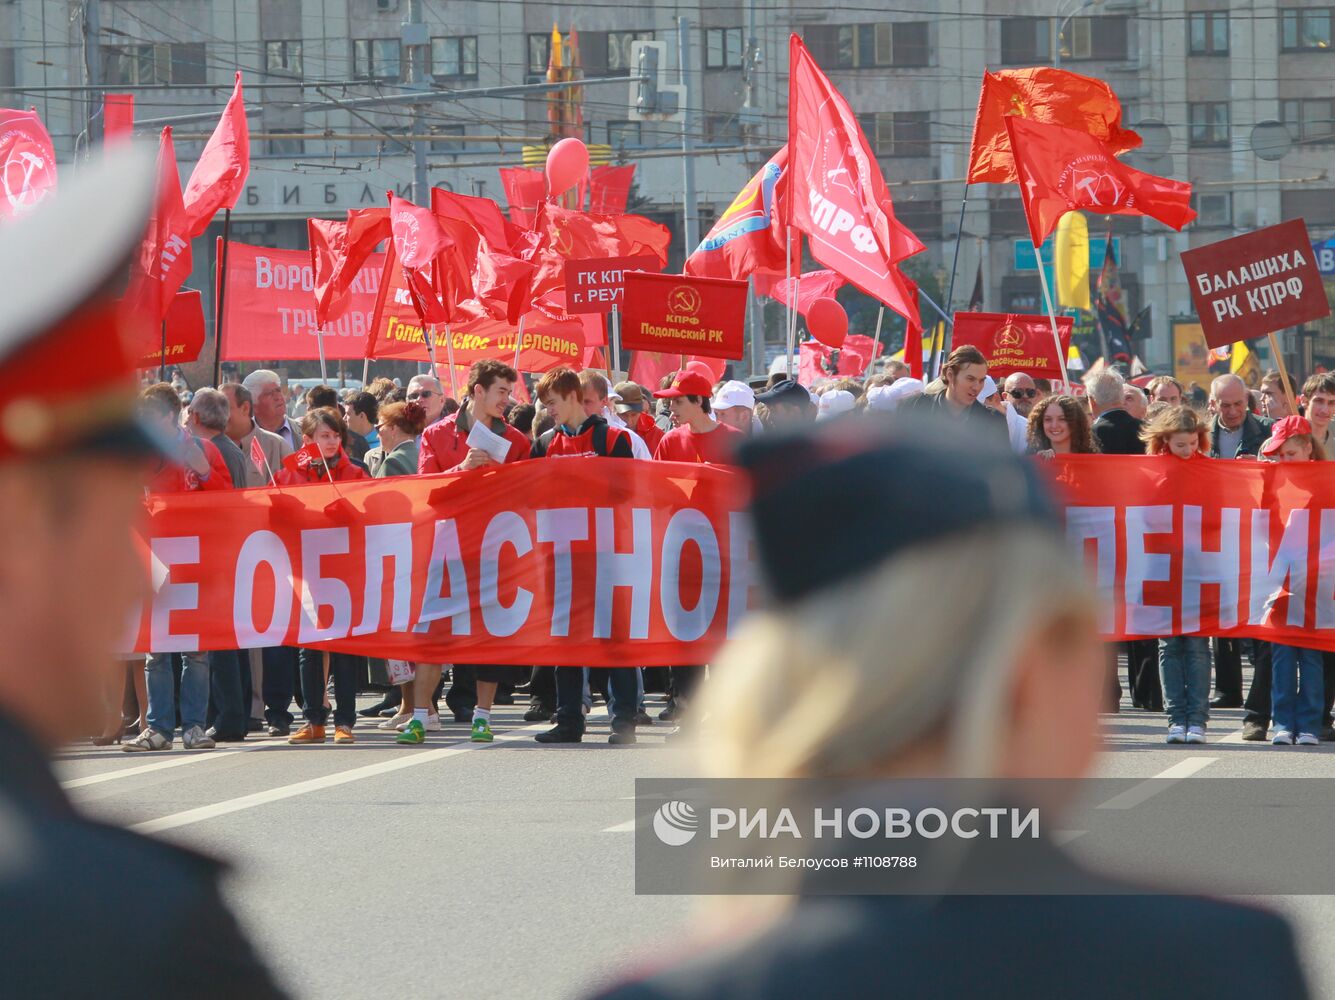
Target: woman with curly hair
<point>1060,425</point>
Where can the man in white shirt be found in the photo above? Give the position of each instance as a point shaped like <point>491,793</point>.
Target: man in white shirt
<point>597,391</point>
<point>1021,393</point>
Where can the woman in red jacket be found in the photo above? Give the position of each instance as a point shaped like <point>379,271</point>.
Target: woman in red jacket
<point>322,457</point>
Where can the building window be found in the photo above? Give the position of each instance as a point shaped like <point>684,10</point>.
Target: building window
<point>607,53</point>
<point>283,58</point>
<point>454,57</point>
<point>376,58</point>
<point>898,133</point>
<point>539,52</point>
<point>180,63</point>
<point>1103,38</point>
<point>1310,121</point>
<point>864,46</point>
<point>1305,30</point>
<point>446,145</point>
<point>1209,123</point>
<point>724,48</point>
<point>1213,209</point>
<point>1024,40</point>
<point>621,134</point>
<point>1207,33</point>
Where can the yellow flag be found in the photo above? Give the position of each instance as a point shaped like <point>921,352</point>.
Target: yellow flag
<point>1243,363</point>
<point>1070,261</point>
<point>556,59</point>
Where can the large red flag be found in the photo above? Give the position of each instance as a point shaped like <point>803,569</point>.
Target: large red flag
<point>1041,94</point>
<point>430,259</point>
<point>27,162</point>
<point>1063,169</point>
<point>338,251</point>
<point>164,259</point>
<point>524,191</point>
<point>117,118</point>
<point>750,236</point>
<point>500,278</point>
<point>221,172</point>
<point>838,195</point>
<point>609,188</point>
<point>565,234</point>
<point>812,286</point>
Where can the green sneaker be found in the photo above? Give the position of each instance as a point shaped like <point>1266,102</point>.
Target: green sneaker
<point>481,731</point>
<point>413,733</point>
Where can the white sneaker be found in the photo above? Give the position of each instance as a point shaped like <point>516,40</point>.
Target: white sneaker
<point>396,723</point>
<point>149,739</point>
<point>195,738</point>
<point>1282,738</point>
<point>432,723</point>
<point>1195,734</point>
<point>1307,740</point>
<point>1177,734</point>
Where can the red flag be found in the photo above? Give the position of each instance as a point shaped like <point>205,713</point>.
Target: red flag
<point>814,361</point>
<point>303,458</point>
<point>750,236</point>
<point>488,246</point>
<point>609,189</point>
<point>838,196</point>
<point>1062,169</point>
<point>338,251</point>
<point>27,162</point>
<point>855,354</point>
<point>482,214</point>
<point>222,169</point>
<point>565,234</point>
<point>812,286</point>
<point>117,118</point>
<point>524,191</point>
<point>1041,94</point>
<point>430,261</point>
<point>648,368</point>
<point>257,458</point>
<point>164,259</point>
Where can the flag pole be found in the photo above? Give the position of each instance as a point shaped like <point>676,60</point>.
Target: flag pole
<point>792,319</point>
<point>519,340</point>
<point>1052,318</point>
<point>449,359</point>
<point>876,340</point>
<point>616,340</point>
<point>366,371</point>
<point>222,298</point>
<point>1283,371</point>
<point>431,349</point>
<point>162,357</point>
<point>788,282</point>
<point>319,343</point>
<point>954,268</point>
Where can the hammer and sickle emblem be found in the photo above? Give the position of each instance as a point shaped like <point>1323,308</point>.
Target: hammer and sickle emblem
<point>684,300</point>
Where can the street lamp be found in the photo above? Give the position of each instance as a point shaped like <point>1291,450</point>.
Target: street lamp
<point>1059,23</point>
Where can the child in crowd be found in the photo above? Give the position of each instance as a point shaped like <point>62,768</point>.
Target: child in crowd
<point>1296,683</point>
<point>1180,434</point>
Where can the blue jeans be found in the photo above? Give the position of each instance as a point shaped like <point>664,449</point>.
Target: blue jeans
<point>161,696</point>
<point>572,685</point>
<point>1296,688</point>
<point>1184,672</point>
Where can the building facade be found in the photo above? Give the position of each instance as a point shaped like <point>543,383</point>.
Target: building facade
<point>1195,77</point>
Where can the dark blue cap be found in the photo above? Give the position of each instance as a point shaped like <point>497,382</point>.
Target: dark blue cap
<point>785,391</point>
<point>834,500</point>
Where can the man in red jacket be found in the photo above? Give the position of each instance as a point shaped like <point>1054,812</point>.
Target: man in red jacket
<point>444,446</point>
<point>697,436</point>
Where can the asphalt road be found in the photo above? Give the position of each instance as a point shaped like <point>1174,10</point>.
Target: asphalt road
<point>458,870</point>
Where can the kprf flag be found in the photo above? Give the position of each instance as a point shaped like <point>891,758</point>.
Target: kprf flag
<point>221,172</point>
<point>750,237</point>
<point>565,234</point>
<point>436,278</point>
<point>1040,94</point>
<point>1062,169</point>
<point>338,251</point>
<point>27,162</point>
<point>837,195</point>
<point>1070,260</point>
<point>257,458</point>
<point>164,260</point>
<point>491,248</point>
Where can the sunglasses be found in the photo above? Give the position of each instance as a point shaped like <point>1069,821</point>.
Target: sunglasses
<point>1023,393</point>
<point>415,396</point>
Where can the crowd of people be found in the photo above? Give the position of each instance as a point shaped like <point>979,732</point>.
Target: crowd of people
<point>251,433</point>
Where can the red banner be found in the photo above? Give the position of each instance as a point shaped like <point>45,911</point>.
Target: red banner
<point>184,337</point>
<point>270,313</point>
<point>676,314</point>
<point>524,563</point>
<point>594,284</point>
<point>1014,343</point>
<point>1256,283</point>
<point>1206,546</point>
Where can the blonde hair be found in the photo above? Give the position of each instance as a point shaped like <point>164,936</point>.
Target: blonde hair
<point>847,678</point>
<point>1174,420</point>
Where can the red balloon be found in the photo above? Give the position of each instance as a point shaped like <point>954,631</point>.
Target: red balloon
<point>827,322</point>
<point>567,162</point>
<point>711,369</point>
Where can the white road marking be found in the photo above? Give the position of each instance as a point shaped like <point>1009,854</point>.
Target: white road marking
<point>201,813</point>
<point>1151,787</point>
<point>626,827</point>
<point>178,760</point>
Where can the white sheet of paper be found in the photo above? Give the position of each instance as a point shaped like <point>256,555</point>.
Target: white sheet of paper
<point>487,440</point>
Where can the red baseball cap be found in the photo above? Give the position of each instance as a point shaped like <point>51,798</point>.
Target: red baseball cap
<point>686,383</point>
<point>1289,427</point>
